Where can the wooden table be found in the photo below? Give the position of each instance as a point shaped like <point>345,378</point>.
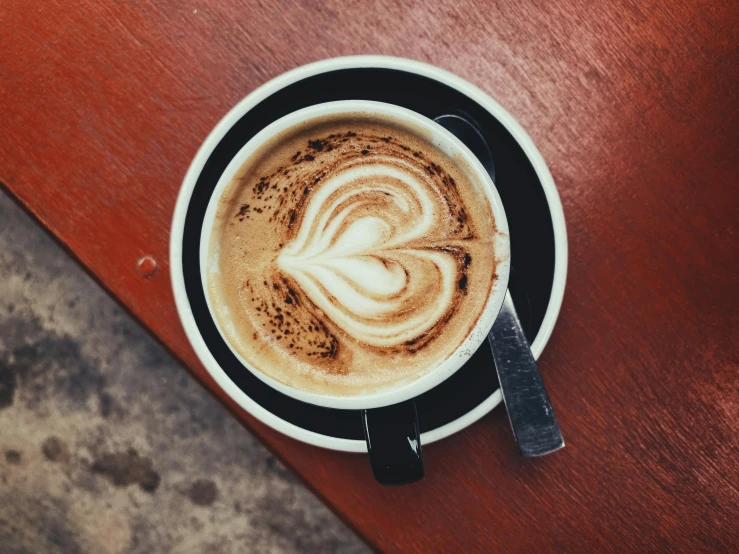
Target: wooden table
<point>634,107</point>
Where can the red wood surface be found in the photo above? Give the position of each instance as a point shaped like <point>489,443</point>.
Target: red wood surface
<point>633,105</point>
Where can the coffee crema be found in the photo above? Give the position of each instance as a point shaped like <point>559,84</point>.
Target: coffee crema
<point>349,254</point>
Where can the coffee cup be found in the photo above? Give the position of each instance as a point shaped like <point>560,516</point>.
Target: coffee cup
<point>388,413</point>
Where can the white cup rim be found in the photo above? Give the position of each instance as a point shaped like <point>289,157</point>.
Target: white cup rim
<point>448,143</point>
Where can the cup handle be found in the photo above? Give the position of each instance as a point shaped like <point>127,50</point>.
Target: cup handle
<point>394,443</point>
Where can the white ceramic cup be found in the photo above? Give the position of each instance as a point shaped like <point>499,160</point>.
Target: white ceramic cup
<point>445,142</point>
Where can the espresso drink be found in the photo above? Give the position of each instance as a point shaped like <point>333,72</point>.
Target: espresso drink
<point>349,255</point>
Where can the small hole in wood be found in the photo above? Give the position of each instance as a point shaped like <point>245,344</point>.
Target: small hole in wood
<point>146,267</point>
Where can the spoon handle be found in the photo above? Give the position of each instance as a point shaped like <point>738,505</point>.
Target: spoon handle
<point>532,418</point>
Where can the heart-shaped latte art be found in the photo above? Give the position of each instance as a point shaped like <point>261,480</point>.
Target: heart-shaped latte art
<point>368,251</point>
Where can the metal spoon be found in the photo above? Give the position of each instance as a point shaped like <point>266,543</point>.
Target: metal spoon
<point>530,412</point>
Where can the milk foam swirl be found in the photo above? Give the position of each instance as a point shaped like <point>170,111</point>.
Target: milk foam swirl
<point>352,258</point>
<point>362,253</point>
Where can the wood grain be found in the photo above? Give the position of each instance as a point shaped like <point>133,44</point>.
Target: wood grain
<point>633,105</point>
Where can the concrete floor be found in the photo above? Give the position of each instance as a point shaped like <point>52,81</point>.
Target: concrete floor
<point>108,446</point>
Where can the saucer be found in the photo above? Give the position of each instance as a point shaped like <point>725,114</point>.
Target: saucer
<point>535,218</point>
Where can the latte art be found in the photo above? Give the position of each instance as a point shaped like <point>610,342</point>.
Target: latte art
<point>362,253</point>
<point>352,255</point>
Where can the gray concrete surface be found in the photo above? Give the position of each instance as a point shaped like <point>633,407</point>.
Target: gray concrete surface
<point>108,446</point>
